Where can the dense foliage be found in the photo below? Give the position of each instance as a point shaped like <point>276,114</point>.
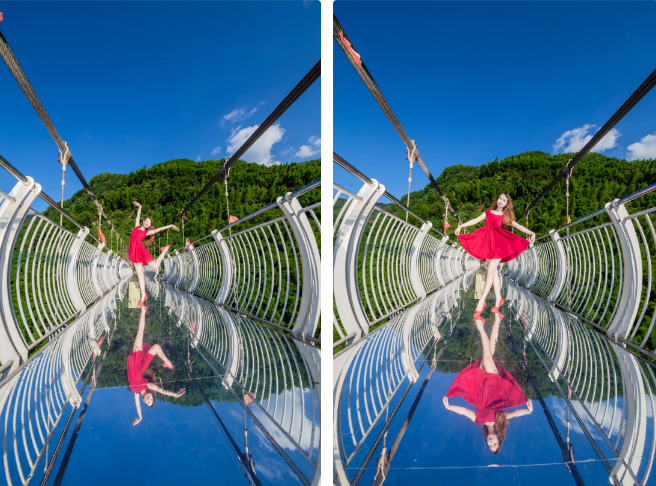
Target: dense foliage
<point>597,179</point>
<point>164,189</point>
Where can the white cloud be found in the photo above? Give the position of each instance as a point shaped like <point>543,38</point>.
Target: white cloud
<point>260,152</point>
<point>644,149</point>
<point>306,151</point>
<point>216,150</point>
<point>574,140</point>
<point>239,114</point>
<point>198,159</point>
<point>285,152</point>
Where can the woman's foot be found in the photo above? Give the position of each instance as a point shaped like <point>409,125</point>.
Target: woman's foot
<point>501,301</point>
<point>164,248</point>
<point>477,316</point>
<point>171,367</point>
<point>495,310</point>
<point>481,309</point>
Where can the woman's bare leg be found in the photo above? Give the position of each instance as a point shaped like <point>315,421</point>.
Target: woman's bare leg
<point>497,284</point>
<point>494,335</point>
<point>156,350</point>
<point>140,275</point>
<point>156,263</point>
<point>487,363</point>
<point>138,340</point>
<point>489,281</point>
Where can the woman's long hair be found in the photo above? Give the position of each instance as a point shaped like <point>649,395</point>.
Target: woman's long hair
<point>508,211</point>
<point>148,240</point>
<point>149,374</point>
<point>500,428</point>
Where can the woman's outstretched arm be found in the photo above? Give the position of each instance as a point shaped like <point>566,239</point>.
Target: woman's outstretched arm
<point>531,235</point>
<point>459,410</point>
<point>154,387</point>
<point>157,230</point>
<point>471,222</point>
<point>521,411</point>
<point>136,401</point>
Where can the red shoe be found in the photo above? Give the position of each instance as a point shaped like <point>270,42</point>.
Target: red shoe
<point>477,316</point>
<point>495,310</point>
<point>167,366</point>
<point>164,248</point>
<point>141,302</point>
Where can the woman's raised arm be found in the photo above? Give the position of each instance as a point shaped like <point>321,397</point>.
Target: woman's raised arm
<point>471,222</point>
<point>459,410</point>
<point>157,230</point>
<point>138,223</point>
<point>154,387</point>
<point>136,401</point>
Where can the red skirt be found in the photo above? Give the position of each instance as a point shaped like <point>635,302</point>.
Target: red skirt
<point>138,361</point>
<point>490,242</point>
<point>486,391</point>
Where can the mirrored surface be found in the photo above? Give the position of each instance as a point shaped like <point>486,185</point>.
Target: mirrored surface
<point>530,397</point>
<point>184,393</point>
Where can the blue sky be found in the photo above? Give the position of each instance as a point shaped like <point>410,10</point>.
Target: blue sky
<point>129,84</point>
<point>472,81</point>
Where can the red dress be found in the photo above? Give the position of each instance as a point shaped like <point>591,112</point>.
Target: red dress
<point>138,361</point>
<point>137,253</point>
<point>492,241</point>
<point>486,391</point>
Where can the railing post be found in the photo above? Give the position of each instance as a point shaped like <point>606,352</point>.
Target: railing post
<point>562,344</point>
<point>415,274</point>
<point>12,213</point>
<point>310,306</point>
<point>94,270</point>
<point>194,258</point>
<point>561,263</point>
<point>438,263</point>
<point>534,272</point>
<point>627,308</point>
<point>345,283</point>
<point>226,259</point>
<point>71,263</point>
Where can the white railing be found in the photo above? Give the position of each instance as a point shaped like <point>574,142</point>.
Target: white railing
<point>270,272</point>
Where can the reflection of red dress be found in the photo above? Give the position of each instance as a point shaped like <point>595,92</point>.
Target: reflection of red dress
<point>486,391</point>
<point>137,253</point>
<point>492,241</point>
<point>138,361</point>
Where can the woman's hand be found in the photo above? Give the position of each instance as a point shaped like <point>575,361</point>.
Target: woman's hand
<point>136,204</point>
<point>445,401</point>
<point>529,405</point>
<point>457,233</point>
<point>531,238</point>
<point>136,421</point>
<point>180,393</point>
<point>174,227</point>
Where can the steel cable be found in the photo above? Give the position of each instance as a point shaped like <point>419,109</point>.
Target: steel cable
<point>638,94</point>
<point>368,80</point>
<point>289,100</point>
<point>13,65</point>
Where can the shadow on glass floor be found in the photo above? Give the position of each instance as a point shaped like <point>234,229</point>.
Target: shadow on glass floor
<point>238,406</point>
<point>533,398</point>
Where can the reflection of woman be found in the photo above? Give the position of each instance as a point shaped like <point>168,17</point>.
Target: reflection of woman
<point>495,244</point>
<point>140,378</point>
<point>489,387</point>
<point>144,234</point>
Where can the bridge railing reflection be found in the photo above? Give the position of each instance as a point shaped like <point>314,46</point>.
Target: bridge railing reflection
<point>270,271</point>
<point>602,274</point>
<point>259,366</point>
<point>614,389</point>
<point>35,398</point>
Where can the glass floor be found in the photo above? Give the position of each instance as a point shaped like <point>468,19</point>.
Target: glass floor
<point>249,413</point>
<point>567,420</point>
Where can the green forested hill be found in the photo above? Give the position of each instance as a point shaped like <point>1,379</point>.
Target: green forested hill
<point>164,189</point>
<point>597,179</point>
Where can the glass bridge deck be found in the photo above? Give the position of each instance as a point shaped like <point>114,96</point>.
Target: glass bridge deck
<point>249,415</point>
<point>392,425</point>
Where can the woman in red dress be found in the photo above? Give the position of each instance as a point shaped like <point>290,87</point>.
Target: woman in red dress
<point>494,244</point>
<point>140,378</point>
<point>144,234</point>
<point>489,387</point>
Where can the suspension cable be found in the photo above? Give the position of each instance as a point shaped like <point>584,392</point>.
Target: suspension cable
<point>12,63</point>
<point>347,46</point>
<point>289,100</point>
<point>633,100</point>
